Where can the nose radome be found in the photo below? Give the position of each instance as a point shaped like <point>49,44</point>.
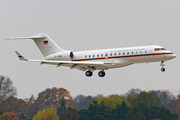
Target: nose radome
<point>174,55</point>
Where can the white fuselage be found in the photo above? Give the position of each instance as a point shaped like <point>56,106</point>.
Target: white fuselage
<point>119,57</point>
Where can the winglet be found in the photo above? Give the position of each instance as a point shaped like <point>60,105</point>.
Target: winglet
<point>20,56</point>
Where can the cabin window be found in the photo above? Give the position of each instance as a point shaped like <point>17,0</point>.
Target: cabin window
<point>111,54</point>
<point>123,53</point>
<point>157,49</point>
<point>114,54</point>
<point>106,54</point>
<point>89,55</point>
<point>93,55</point>
<point>136,52</point>
<point>145,51</point>
<point>119,53</point>
<point>85,56</point>
<point>101,55</point>
<point>132,53</point>
<point>97,55</point>
<point>128,53</point>
<point>140,52</point>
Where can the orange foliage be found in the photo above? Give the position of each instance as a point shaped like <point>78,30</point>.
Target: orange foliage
<point>52,97</point>
<point>176,105</point>
<point>14,104</point>
<point>9,116</point>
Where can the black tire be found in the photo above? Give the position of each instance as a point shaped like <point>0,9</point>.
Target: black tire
<point>163,69</point>
<point>101,74</point>
<point>88,73</point>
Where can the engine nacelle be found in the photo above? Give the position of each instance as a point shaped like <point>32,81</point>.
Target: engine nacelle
<point>64,56</point>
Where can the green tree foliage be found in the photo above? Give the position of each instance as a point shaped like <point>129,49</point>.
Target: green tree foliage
<point>46,114</point>
<point>120,111</point>
<point>146,106</point>
<point>1,113</point>
<point>22,117</point>
<point>156,99</point>
<point>68,114</point>
<point>113,101</point>
<point>143,100</point>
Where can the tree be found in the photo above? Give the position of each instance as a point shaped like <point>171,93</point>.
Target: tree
<point>83,101</point>
<point>6,88</point>
<point>156,99</point>
<point>113,101</point>
<point>52,98</point>
<point>143,100</point>
<point>68,114</point>
<point>167,99</point>
<point>14,104</point>
<point>46,114</point>
<point>23,117</point>
<point>121,110</point>
<point>176,105</point>
<point>133,93</point>
<point>9,116</point>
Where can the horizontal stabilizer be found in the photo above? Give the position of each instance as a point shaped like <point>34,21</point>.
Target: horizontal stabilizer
<point>20,56</point>
<point>39,36</point>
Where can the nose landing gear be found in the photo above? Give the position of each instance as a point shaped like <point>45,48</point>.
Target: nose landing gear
<point>163,64</point>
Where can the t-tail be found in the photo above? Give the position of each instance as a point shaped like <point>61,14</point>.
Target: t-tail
<point>45,44</point>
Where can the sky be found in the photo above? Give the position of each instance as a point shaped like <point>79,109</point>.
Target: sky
<point>86,25</point>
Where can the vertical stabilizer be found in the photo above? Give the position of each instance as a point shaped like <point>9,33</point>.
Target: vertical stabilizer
<point>45,44</point>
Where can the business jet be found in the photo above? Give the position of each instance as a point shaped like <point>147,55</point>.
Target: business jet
<point>92,60</point>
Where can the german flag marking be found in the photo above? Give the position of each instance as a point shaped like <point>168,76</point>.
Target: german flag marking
<point>45,42</point>
<point>20,57</point>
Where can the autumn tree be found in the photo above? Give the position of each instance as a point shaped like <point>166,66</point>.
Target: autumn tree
<point>9,116</point>
<point>176,105</point>
<point>46,114</point>
<point>14,104</point>
<point>167,99</point>
<point>52,98</point>
<point>6,88</point>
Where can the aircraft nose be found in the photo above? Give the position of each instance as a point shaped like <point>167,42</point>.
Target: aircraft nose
<point>174,55</point>
<point>171,55</point>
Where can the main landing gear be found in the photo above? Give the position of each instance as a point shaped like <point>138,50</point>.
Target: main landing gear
<point>101,74</point>
<point>163,64</point>
<point>90,73</point>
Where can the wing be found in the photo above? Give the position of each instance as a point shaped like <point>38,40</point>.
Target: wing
<point>80,65</point>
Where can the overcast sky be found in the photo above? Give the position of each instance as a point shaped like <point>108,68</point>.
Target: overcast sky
<point>85,25</point>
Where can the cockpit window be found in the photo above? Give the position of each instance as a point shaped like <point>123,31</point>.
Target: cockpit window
<point>157,49</point>
<point>163,49</point>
